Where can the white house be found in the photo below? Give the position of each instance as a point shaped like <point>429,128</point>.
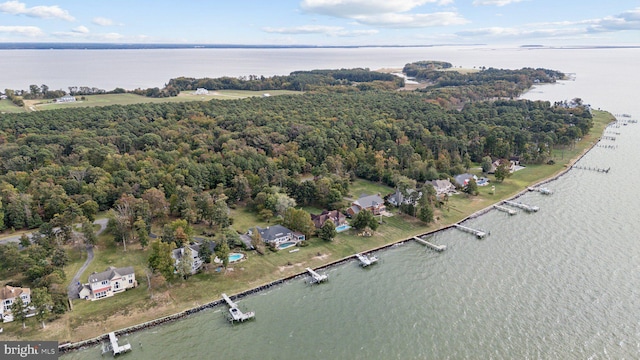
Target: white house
<point>196,262</point>
<point>108,283</point>
<point>66,99</point>
<point>9,295</point>
<point>201,91</point>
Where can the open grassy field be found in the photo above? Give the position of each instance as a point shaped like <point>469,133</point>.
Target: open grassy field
<point>89,319</point>
<point>128,99</point>
<point>6,106</point>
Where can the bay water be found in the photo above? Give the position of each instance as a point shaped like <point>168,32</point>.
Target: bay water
<point>562,283</point>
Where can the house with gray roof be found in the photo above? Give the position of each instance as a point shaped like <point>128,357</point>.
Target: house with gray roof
<point>442,186</point>
<point>196,261</point>
<point>373,203</point>
<point>463,179</point>
<point>398,198</point>
<point>277,234</point>
<point>108,283</point>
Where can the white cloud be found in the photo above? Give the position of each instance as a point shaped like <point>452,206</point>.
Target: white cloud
<point>110,36</point>
<point>30,31</point>
<point>494,2</point>
<point>102,21</point>
<point>41,11</point>
<point>320,29</point>
<point>385,13</point>
<point>80,30</point>
<point>351,8</point>
<point>627,20</point>
<point>395,20</point>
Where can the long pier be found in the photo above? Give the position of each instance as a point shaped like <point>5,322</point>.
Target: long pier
<point>478,233</point>
<point>431,245</point>
<point>600,170</point>
<point>367,260</point>
<point>525,207</point>
<point>315,277</point>
<point>234,311</point>
<point>504,209</point>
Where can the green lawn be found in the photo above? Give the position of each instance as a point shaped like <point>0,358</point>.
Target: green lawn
<point>6,106</point>
<point>360,186</point>
<point>128,99</point>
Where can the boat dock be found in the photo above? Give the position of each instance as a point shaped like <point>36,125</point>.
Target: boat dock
<point>234,311</point>
<point>315,277</point>
<point>504,209</point>
<point>541,190</point>
<point>431,245</point>
<point>114,347</point>
<point>525,207</point>
<point>366,260</point>
<point>478,233</point>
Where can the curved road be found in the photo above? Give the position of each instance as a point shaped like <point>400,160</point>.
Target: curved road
<point>72,289</point>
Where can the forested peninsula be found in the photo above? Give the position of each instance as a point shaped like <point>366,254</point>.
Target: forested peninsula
<point>168,174</point>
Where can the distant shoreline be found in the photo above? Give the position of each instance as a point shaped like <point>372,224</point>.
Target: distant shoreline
<point>143,46</point>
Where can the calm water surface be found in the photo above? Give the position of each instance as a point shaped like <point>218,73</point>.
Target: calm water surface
<point>562,283</point>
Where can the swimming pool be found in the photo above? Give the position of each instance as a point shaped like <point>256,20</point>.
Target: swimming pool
<point>285,245</point>
<point>343,227</point>
<point>233,257</point>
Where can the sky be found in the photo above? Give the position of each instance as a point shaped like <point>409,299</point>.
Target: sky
<point>324,22</point>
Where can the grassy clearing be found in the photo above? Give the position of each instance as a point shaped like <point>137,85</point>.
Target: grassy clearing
<point>359,187</point>
<point>128,99</point>
<point>6,106</point>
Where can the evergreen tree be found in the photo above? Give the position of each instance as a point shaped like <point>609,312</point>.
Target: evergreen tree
<point>365,219</point>
<point>222,252</point>
<point>90,237</point>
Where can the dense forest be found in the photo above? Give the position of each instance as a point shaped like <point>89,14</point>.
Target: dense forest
<point>189,161</point>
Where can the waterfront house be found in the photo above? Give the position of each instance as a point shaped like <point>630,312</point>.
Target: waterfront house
<point>9,295</point>
<point>373,203</point>
<point>196,261</point>
<point>66,99</point>
<point>108,283</point>
<point>277,234</point>
<point>463,179</point>
<point>397,198</point>
<point>336,216</point>
<point>510,164</point>
<point>442,187</point>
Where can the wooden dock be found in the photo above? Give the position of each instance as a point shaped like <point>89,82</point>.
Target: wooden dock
<point>525,207</point>
<point>542,190</point>
<point>478,233</point>
<point>366,260</point>
<point>234,311</point>
<point>114,347</point>
<point>315,277</point>
<point>504,209</point>
<point>431,245</point>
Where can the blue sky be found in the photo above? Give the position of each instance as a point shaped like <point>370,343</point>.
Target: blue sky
<point>324,22</point>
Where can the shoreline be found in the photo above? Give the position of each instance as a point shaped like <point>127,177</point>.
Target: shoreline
<point>80,345</point>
